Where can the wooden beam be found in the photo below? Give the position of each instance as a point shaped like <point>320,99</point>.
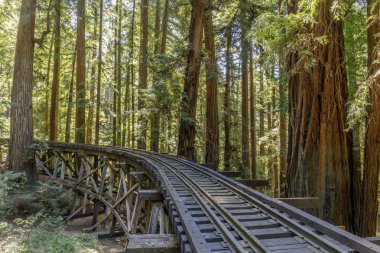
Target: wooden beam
<point>231,174</point>
<point>149,243</point>
<point>302,203</point>
<point>210,165</point>
<point>254,182</point>
<point>153,195</point>
<point>375,240</point>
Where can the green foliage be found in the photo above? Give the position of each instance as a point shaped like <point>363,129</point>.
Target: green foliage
<point>45,200</point>
<point>53,243</point>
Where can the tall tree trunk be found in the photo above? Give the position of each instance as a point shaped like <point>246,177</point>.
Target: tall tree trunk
<point>319,148</point>
<point>155,117</point>
<point>369,194</point>
<point>99,76</point>
<point>133,139</point>
<point>54,105</point>
<point>90,116</point>
<point>70,99</point>
<point>46,113</point>
<point>245,47</point>
<point>252,88</point>
<point>227,102</point>
<point>261,111</point>
<point>119,68</point>
<point>143,73</point>
<point>115,85</point>
<point>212,118</point>
<point>80,122</point>
<point>186,137</point>
<point>275,158</point>
<point>283,129</point>
<point>21,137</point>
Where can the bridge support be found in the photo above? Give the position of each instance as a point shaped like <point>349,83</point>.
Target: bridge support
<point>122,199</point>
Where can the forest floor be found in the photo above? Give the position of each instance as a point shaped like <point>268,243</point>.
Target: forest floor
<point>34,223</point>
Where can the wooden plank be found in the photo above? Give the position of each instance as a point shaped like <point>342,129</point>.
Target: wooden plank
<point>374,240</point>
<point>209,165</point>
<point>153,195</point>
<point>149,243</point>
<point>254,182</point>
<point>231,174</point>
<point>302,203</point>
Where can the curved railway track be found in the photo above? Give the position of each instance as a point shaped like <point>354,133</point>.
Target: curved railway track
<point>207,211</point>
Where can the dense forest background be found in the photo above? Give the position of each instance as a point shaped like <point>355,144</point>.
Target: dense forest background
<point>287,90</point>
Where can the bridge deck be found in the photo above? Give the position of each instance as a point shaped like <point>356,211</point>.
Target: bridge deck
<point>206,211</point>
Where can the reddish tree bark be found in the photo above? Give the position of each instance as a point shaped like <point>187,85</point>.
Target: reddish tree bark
<point>80,114</point>
<point>227,102</point>
<point>245,45</point>
<point>143,72</point>
<point>21,137</point>
<point>212,128</point>
<point>369,193</point>
<point>319,148</point>
<point>186,138</point>
<point>54,105</point>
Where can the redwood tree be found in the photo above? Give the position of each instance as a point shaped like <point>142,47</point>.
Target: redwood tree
<point>319,148</point>
<point>186,139</point>
<point>54,105</point>
<point>369,192</point>
<point>80,122</point>
<point>244,83</point>
<point>143,72</point>
<point>21,136</point>
<point>212,131</point>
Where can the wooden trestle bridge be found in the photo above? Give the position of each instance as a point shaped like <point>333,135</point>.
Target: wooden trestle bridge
<point>163,203</point>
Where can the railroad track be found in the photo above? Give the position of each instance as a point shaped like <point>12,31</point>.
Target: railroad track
<point>207,211</point>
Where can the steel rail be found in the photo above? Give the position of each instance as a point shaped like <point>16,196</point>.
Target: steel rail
<point>212,216</point>
<point>250,195</point>
<point>302,230</point>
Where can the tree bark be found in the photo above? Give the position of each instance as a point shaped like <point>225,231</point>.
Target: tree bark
<point>155,117</point>
<point>80,114</point>
<point>319,150</point>
<point>227,102</point>
<point>252,87</point>
<point>70,100</point>
<point>90,116</point>
<point>46,114</point>
<point>143,73</point>
<point>369,193</point>
<point>21,137</point>
<point>186,138</point>
<point>99,76</point>
<point>212,118</point>
<point>54,105</point>
<point>244,84</point>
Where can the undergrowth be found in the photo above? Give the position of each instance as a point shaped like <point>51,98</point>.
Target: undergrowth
<point>32,221</point>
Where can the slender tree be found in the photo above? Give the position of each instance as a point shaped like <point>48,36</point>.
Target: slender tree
<point>155,119</point>
<point>21,136</point>
<point>227,102</point>
<point>54,105</point>
<point>252,88</point>
<point>46,114</point>
<point>244,52</point>
<point>80,120</point>
<point>186,138</point>
<point>92,84</point>
<point>99,74</point>
<point>369,193</point>
<point>143,72</point>
<point>212,127</point>
<point>70,100</point>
